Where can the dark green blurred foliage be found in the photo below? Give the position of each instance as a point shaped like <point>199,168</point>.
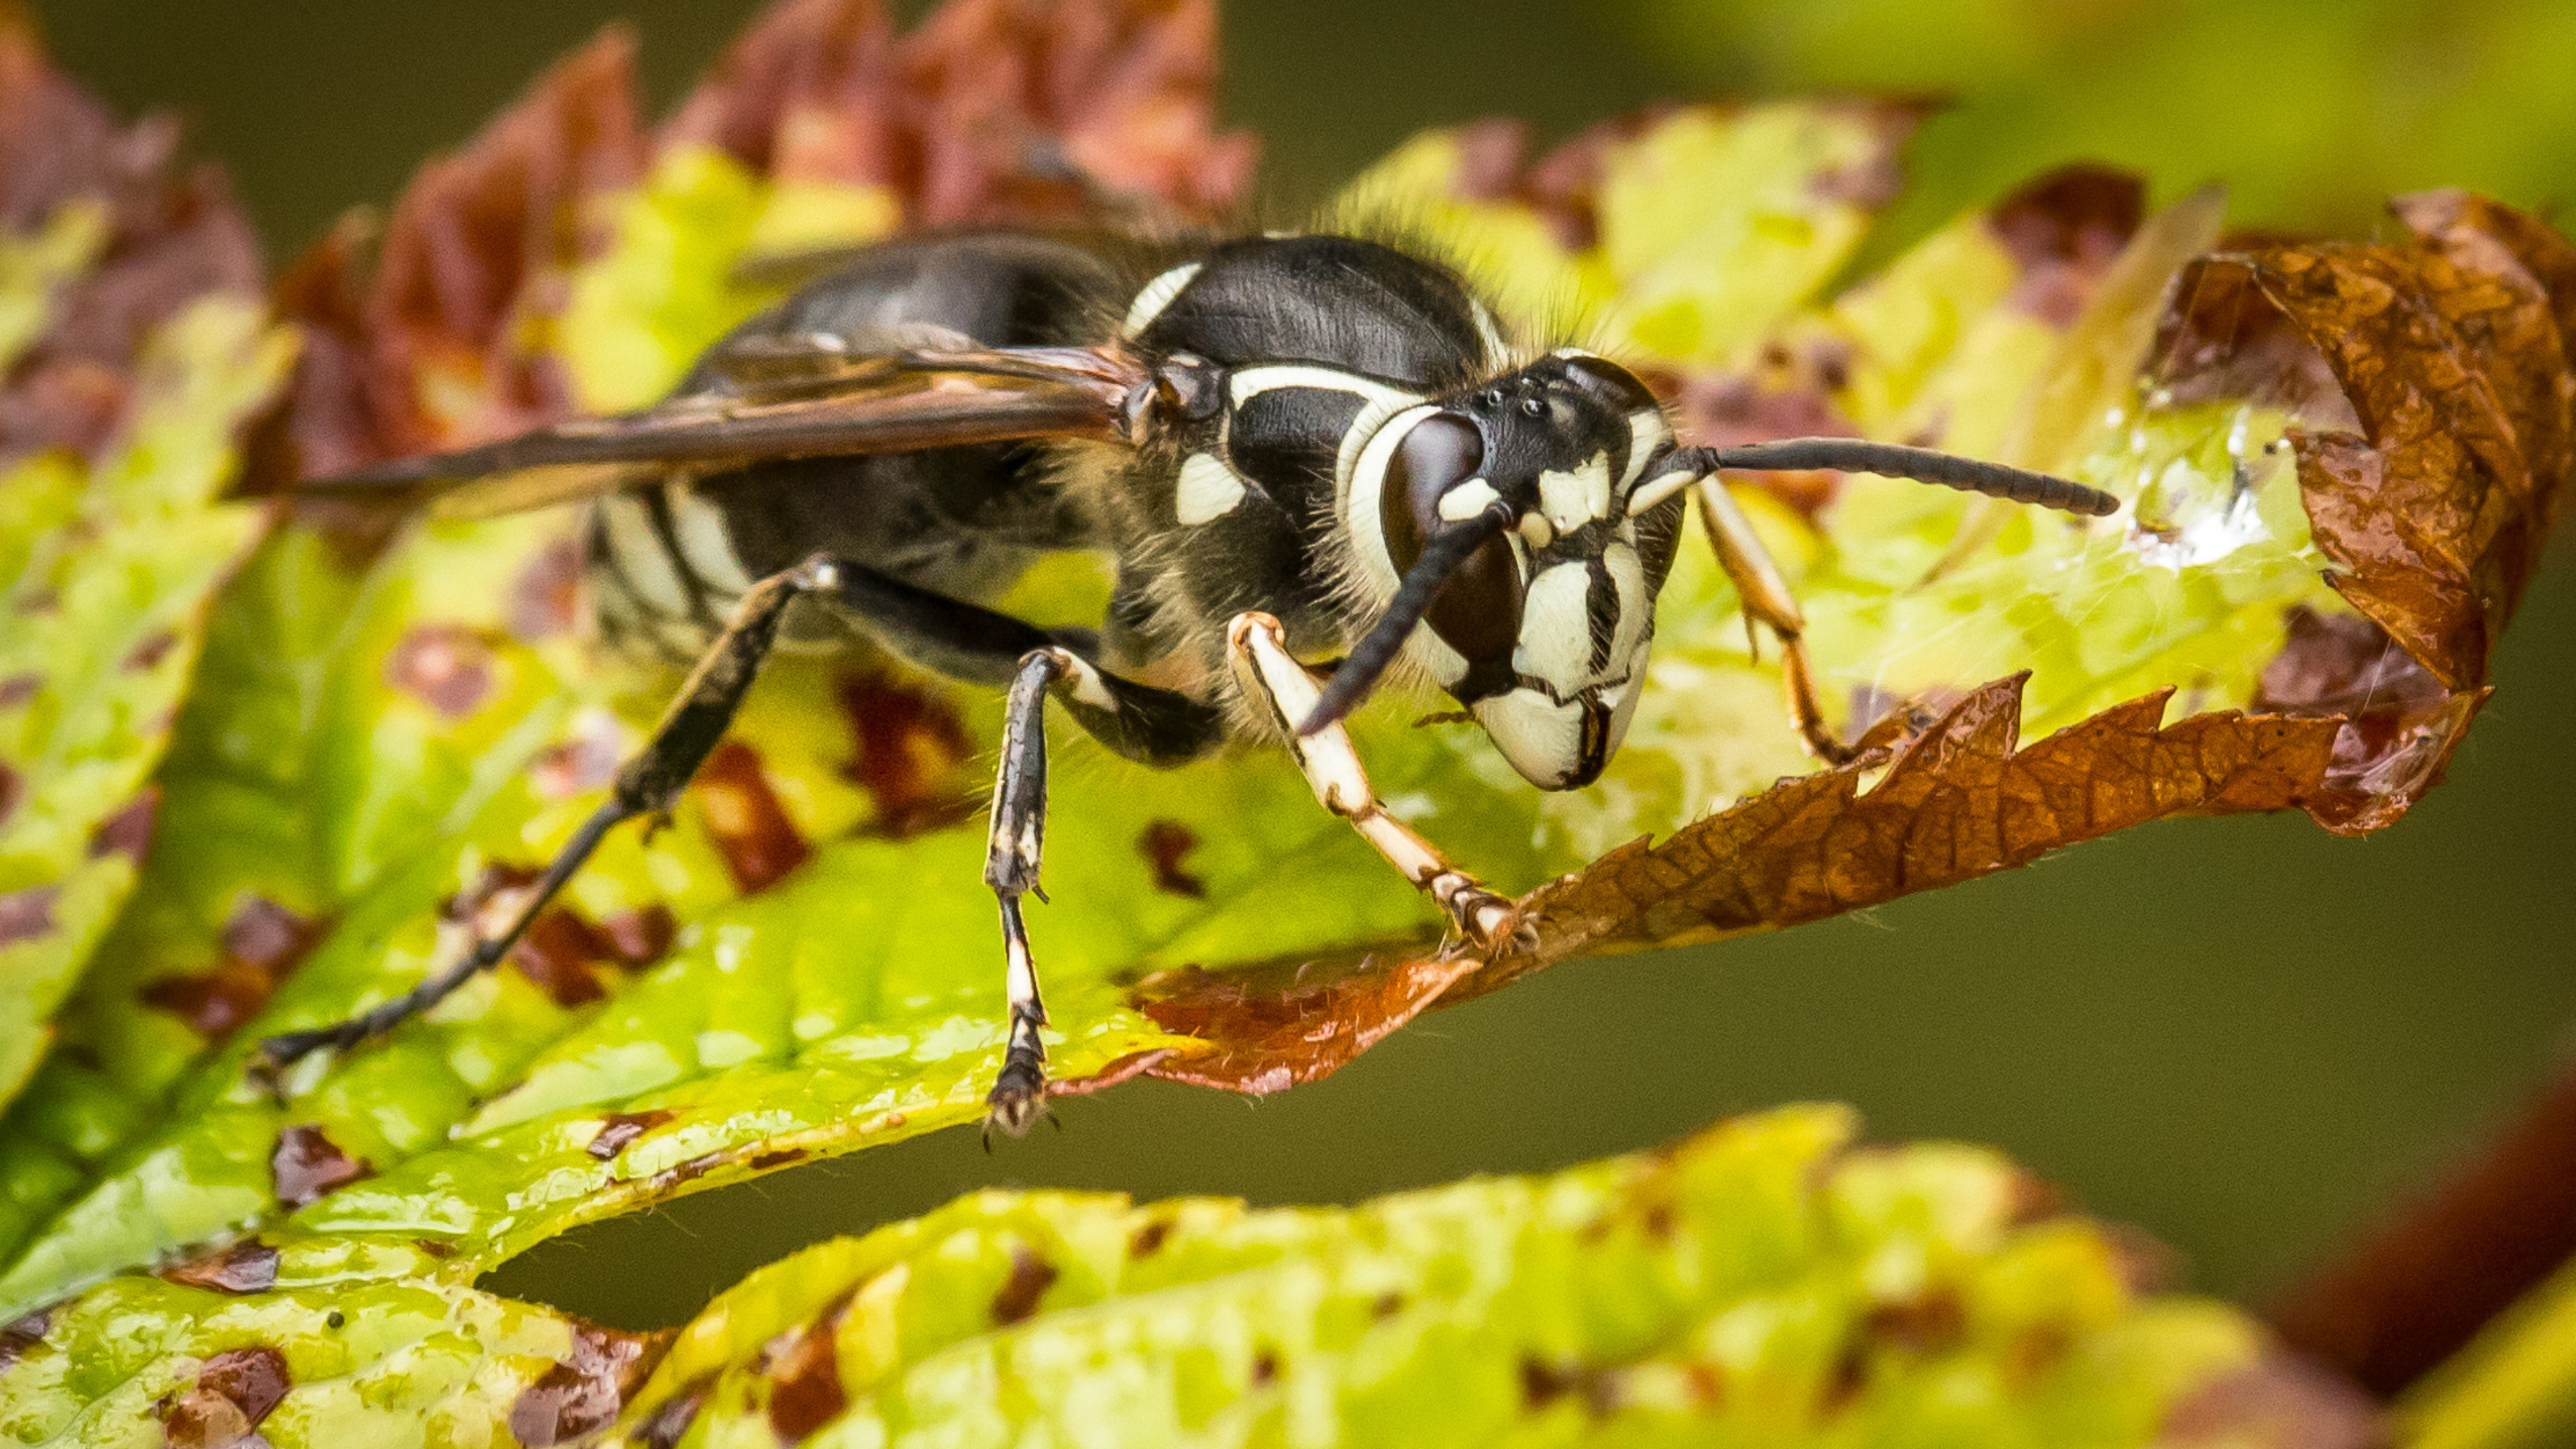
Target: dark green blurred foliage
<point>2246,1035</point>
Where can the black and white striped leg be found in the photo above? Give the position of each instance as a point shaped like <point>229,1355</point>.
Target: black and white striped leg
<point>1136,720</point>
<point>1271,674</point>
<point>647,784</point>
<point>1012,854</point>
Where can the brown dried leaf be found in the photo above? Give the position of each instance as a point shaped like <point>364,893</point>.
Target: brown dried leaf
<point>427,347</point>
<point>169,237</point>
<point>996,111</point>
<point>993,111</point>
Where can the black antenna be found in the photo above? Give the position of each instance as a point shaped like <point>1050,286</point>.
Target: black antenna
<point>1924,465</point>
<point>1442,555</point>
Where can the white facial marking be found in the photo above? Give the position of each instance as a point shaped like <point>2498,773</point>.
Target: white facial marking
<point>1467,500</point>
<point>1536,531</point>
<point>1628,576</point>
<point>1657,490</point>
<point>1556,628</point>
<point>1647,431</point>
<point>1571,499</point>
<point>1158,294</point>
<point>1208,489</point>
<point>1542,739</point>
<point>1251,382</point>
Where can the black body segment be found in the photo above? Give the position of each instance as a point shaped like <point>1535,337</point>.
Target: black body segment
<point>1293,447</point>
<point>1340,302</point>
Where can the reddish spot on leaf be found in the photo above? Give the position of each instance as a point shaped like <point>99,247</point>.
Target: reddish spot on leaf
<point>805,1378</point>
<point>307,1165</point>
<point>620,1128</point>
<point>1165,844</point>
<point>556,954</point>
<point>1543,1384</point>
<point>2065,229</point>
<point>545,599</point>
<point>760,844</point>
<point>435,1247</point>
<point>446,666</point>
<point>642,937</point>
<point>150,653</point>
<point>127,832</point>
<point>912,750</point>
<point>21,1334</point>
<point>694,1168</point>
<point>2281,1400</point>
<point>263,943</point>
<point>766,1161</point>
<point>27,914</point>
<point>234,1391</point>
<point>1930,1323</point>
<point>12,790</point>
<point>1146,1241</point>
<point>1285,1022</point>
<point>584,1393</point>
<point>1018,1296</point>
<point>668,1424</point>
<point>17,689</point>
<point>248,1266</point>
<point>585,762</point>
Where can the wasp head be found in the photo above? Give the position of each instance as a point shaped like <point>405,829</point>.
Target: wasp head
<point>1501,519</point>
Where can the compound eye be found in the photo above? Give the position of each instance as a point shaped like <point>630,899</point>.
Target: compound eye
<point>1608,381</point>
<point>1478,613</point>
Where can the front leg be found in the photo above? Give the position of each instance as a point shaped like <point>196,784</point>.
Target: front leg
<point>1272,675</point>
<point>1767,600</point>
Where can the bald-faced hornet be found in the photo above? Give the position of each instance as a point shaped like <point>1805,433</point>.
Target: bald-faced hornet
<point>1294,447</point>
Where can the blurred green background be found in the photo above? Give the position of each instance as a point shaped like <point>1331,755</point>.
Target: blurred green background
<point>2247,1036</point>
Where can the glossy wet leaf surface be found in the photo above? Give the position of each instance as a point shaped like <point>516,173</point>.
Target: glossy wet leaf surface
<point>397,721</point>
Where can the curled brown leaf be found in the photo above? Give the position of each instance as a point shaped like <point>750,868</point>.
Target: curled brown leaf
<point>995,112</point>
